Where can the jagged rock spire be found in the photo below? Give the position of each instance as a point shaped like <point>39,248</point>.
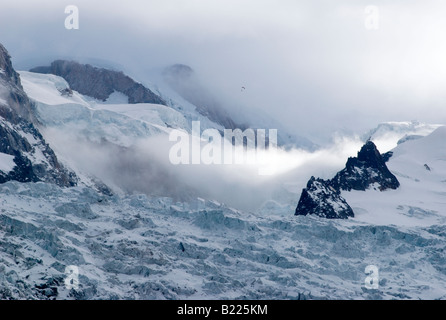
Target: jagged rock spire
<point>323,197</point>
<point>364,171</point>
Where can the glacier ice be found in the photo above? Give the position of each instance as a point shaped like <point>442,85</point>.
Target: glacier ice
<point>141,247</point>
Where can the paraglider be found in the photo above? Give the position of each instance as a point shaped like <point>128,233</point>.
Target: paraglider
<point>243,88</point>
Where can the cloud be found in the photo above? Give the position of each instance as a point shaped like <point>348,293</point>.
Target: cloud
<point>145,167</point>
<point>312,66</point>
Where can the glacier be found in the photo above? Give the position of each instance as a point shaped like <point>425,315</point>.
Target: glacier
<point>141,247</point>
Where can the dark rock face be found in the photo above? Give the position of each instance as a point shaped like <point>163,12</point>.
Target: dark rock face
<point>321,199</point>
<point>8,73</point>
<point>33,158</point>
<point>366,170</point>
<point>386,156</point>
<point>99,83</point>
<point>17,103</point>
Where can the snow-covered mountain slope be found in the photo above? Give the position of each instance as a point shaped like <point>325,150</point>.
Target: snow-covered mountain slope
<point>388,135</point>
<point>82,115</point>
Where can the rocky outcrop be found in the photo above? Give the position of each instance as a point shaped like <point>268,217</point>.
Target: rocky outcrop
<point>33,159</point>
<point>321,199</point>
<point>100,83</point>
<point>367,170</point>
<point>14,103</point>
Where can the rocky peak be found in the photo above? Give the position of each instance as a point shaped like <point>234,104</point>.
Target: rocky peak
<point>178,72</point>
<point>7,72</point>
<point>366,170</point>
<point>370,154</point>
<point>100,83</point>
<point>14,103</point>
<point>321,199</point>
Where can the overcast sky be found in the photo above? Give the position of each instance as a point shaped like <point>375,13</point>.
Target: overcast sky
<point>314,65</point>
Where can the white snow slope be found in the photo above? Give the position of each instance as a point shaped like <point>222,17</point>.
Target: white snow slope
<point>145,247</point>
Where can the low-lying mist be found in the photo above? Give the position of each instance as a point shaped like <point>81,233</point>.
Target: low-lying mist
<point>145,168</point>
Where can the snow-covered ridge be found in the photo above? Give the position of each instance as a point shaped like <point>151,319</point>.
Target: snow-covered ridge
<point>47,89</point>
<point>124,122</point>
<point>56,109</point>
<point>388,135</point>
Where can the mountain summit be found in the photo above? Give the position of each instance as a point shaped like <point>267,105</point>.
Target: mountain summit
<point>366,170</point>
<point>183,80</point>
